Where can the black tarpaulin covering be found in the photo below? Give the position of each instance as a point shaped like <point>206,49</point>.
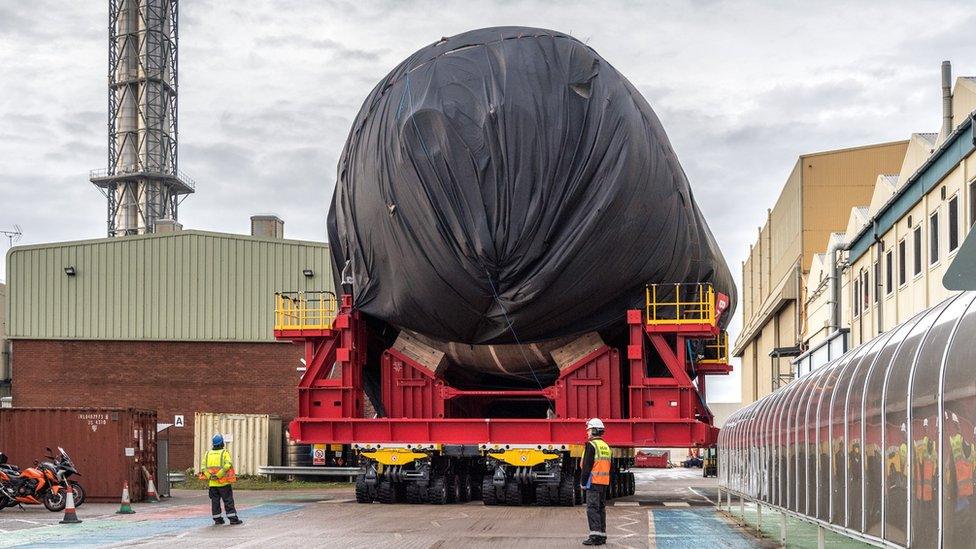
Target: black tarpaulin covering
<point>509,185</point>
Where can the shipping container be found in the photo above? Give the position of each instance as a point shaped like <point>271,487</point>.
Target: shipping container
<point>108,446</point>
<point>653,459</point>
<point>254,440</point>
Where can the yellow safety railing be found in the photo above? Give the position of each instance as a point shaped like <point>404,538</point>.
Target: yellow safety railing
<point>717,350</point>
<point>681,303</point>
<point>304,310</point>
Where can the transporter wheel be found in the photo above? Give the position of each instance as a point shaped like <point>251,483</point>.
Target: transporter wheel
<point>386,492</point>
<point>632,483</point>
<point>464,487</point>
<point>437,490</point>
<point>577,491</point>
<point>477,487</point>
<point>412,493</point>
<point>544,494</point>
<point>488,493</point>
<point>566,492</point>
<point>513,494</point>
<point>451,485</point>
<point>363,493</point>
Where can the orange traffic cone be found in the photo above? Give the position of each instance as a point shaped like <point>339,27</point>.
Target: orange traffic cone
<point>70,516</point>
<point>126,508</point>
<point>151,496</point>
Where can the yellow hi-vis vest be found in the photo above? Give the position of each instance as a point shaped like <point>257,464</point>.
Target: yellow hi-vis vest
<point>218,463</point>
<point>600,474</point>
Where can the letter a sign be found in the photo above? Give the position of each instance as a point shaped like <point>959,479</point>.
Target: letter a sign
<point>179,422</point>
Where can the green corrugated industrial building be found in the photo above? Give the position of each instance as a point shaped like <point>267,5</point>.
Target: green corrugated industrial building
<point>185,286</point>
<point>180,322</point>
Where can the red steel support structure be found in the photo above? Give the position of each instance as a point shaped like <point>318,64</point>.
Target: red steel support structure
<point>638,408</point>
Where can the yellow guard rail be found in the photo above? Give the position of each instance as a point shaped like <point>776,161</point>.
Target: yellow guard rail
<point>681,303</point>
<point>305,310</point>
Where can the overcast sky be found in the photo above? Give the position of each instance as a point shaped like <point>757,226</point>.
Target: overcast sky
<point>268,90</point>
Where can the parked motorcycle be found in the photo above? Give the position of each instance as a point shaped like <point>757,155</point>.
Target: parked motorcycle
<point>44,484</point>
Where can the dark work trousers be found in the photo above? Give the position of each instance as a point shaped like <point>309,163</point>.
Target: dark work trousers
<point>225,493</point>
<point>596,510</point>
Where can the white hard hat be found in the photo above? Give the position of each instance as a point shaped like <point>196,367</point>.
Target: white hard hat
<point>595,423</point>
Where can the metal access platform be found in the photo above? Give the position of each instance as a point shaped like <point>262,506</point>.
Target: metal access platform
<point>650,393</point>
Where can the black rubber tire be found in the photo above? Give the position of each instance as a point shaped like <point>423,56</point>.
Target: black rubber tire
<point>437,490</point>
<point>477,487</point>
<point>451,484</point>
<point>544,495</point>
<point>513,494</point>
<point>633,483</point>
<point>363,493</point>
<point>55,503</point>
<point>489,495</point>
<point>386,492</point>
<point>412,493</point>
<point>464,488</point>
<point>566,492</point>
<point>79,492</point>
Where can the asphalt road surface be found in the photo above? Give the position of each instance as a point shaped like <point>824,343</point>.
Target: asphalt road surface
<point>672,508</point>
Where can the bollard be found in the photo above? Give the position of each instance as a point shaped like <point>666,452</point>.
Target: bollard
<point>759,517</point>
<point>742,508</point>
<point>820,537</point>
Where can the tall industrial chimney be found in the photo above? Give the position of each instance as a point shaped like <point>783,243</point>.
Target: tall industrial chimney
<point>142,182</point>
<point>946,100</point>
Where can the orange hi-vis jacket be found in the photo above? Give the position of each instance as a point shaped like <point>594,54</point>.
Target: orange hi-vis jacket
<point>600,474</point>
<point>218,463</point>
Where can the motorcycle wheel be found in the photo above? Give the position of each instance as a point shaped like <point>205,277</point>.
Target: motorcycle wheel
<point>79,493</point>
<point>5,502</point>
<point>55,503</point>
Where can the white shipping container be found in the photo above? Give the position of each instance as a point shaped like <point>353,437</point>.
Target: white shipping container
<point>254,440</point>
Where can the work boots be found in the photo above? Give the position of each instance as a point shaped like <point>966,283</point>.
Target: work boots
<point>595,540</point>
<point>218,521</point>
<point>235,521</point>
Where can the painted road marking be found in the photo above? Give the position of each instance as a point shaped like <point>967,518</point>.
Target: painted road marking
<point>626,503</point>
<point>336,501</point>
<point>651,533</point>
<point>676,504</point>
<point>94,532</point>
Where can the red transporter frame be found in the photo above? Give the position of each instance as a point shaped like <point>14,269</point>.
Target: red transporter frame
<point>659,411</point>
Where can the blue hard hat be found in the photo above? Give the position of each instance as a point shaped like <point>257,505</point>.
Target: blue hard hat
<point>218,439</point>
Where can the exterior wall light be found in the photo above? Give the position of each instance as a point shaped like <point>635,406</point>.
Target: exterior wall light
<point>308,272</point>
<point>70,270</point>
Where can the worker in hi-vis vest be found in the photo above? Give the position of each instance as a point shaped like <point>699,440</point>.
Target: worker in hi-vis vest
<point>219,470</point>
<point>595,479</point>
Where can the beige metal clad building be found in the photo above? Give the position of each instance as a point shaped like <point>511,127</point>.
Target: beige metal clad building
<point>815,201</point>
<point>899,254</point>
<point>186,286</point>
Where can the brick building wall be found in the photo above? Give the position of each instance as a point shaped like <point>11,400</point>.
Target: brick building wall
<point>169,377</point>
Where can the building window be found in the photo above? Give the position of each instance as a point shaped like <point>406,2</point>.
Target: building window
<point>934,239</point>
<point>889,272</point>
<point>953,223</point>
<point>865,290</point>
<point>972,203</point>
<point>877,281</point>
<point>902,262</point>
<point>857,293</point>
<point>917,251</point>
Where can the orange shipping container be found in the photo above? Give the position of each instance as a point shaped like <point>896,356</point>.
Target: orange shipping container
<point>108,446</point>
